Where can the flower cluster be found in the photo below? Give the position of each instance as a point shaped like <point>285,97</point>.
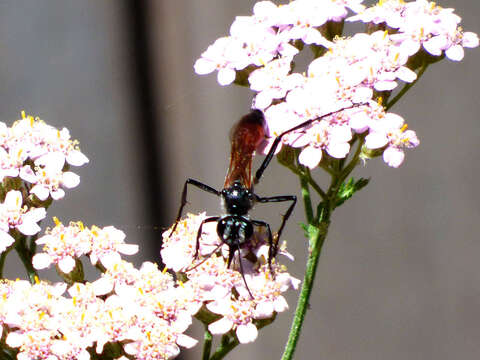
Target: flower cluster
<point>62,245</point>
<point>34,158</point>
<point>39,154</point>
<point>348,78</point>
<point>239,301</point>
<point>269,33</point>
<point>143,310</point>
<point>421,23</point>
<point>139,313</point>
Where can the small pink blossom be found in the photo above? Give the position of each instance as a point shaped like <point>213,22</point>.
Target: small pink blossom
<point>237,315</point>
<point>62,245</point>
<point>392,134</point>
<point>15,216</point>
<point>107,244</point>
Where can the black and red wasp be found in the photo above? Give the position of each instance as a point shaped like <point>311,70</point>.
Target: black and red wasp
<point>236,228</point>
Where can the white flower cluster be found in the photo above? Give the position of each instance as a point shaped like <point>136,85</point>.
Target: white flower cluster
<point>37,153</point>
<point>421,23</point>
<point>33,161</point>
<point>221,289</point>
<point>347,73</point>
<point>62,245</point>
<point>143,310</point>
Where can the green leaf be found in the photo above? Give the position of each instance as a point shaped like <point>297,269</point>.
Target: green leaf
<point>347,189</point>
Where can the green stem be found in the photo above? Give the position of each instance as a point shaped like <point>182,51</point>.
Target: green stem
<point>327,169</point>
<point>316,242</point>
<point>227,344</point>
<point>314,185</point>
<point>3,257</point>
<point>406,87</point>
<point>33,244</point>
<point>207,345</point>
<point>306,199</point>
<point>26,257</point>
<point>349,168</point>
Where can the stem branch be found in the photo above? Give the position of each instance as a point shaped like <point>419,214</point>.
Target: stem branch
<point>207,345</point>
<point>406,87</point>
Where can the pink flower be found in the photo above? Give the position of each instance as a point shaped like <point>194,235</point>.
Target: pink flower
<point>62,245</point>
<point>49,177</point>
<point>107,244</point>
<point>323,136</point>
<point>392,134</point>
<point>222,289</point>
<point>273,81</point>
<point>237,315</point>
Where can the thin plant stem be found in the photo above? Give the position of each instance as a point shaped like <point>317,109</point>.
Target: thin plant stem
<point>327,169</point>
<point>317,240</point>
<point>227,344</point>
<point>406,87</point>
<point>314,185</point>
<point>307,201</point>
<point>3,258</point>
<point>207,345</point>
<point>26,257</point>
<point>351,165</point>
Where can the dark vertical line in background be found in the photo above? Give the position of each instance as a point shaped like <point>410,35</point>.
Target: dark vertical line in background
<point>143,92</point>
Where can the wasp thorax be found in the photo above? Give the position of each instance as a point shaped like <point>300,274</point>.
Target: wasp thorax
<point>237,199</point>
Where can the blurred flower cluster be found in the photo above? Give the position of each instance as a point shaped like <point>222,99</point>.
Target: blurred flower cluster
<point>358,72</point>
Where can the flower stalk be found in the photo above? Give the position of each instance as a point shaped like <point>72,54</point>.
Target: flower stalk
<point>330,115</point>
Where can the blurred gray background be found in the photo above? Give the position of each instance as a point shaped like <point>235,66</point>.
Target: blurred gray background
<point>399,277</point>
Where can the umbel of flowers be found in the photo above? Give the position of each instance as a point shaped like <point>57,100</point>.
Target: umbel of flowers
<point>125,313</point>
<point>402,39</point>
<point>340,102</point>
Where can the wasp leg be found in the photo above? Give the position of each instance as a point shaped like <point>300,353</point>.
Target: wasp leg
<point>199,233</point>
<point>241,267</point>
<point>271,254</point>
<point>285,217</point>
<point>198,184</point>
<point>277,140</point>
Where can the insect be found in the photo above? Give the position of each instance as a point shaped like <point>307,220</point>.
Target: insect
<point>236,228</point>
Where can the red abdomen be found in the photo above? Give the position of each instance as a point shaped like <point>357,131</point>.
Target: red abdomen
<point>245,137</point>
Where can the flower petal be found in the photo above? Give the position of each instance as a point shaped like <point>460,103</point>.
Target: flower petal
<point>246,333</point>
<point>221,326</point>
<point>310,156</point>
